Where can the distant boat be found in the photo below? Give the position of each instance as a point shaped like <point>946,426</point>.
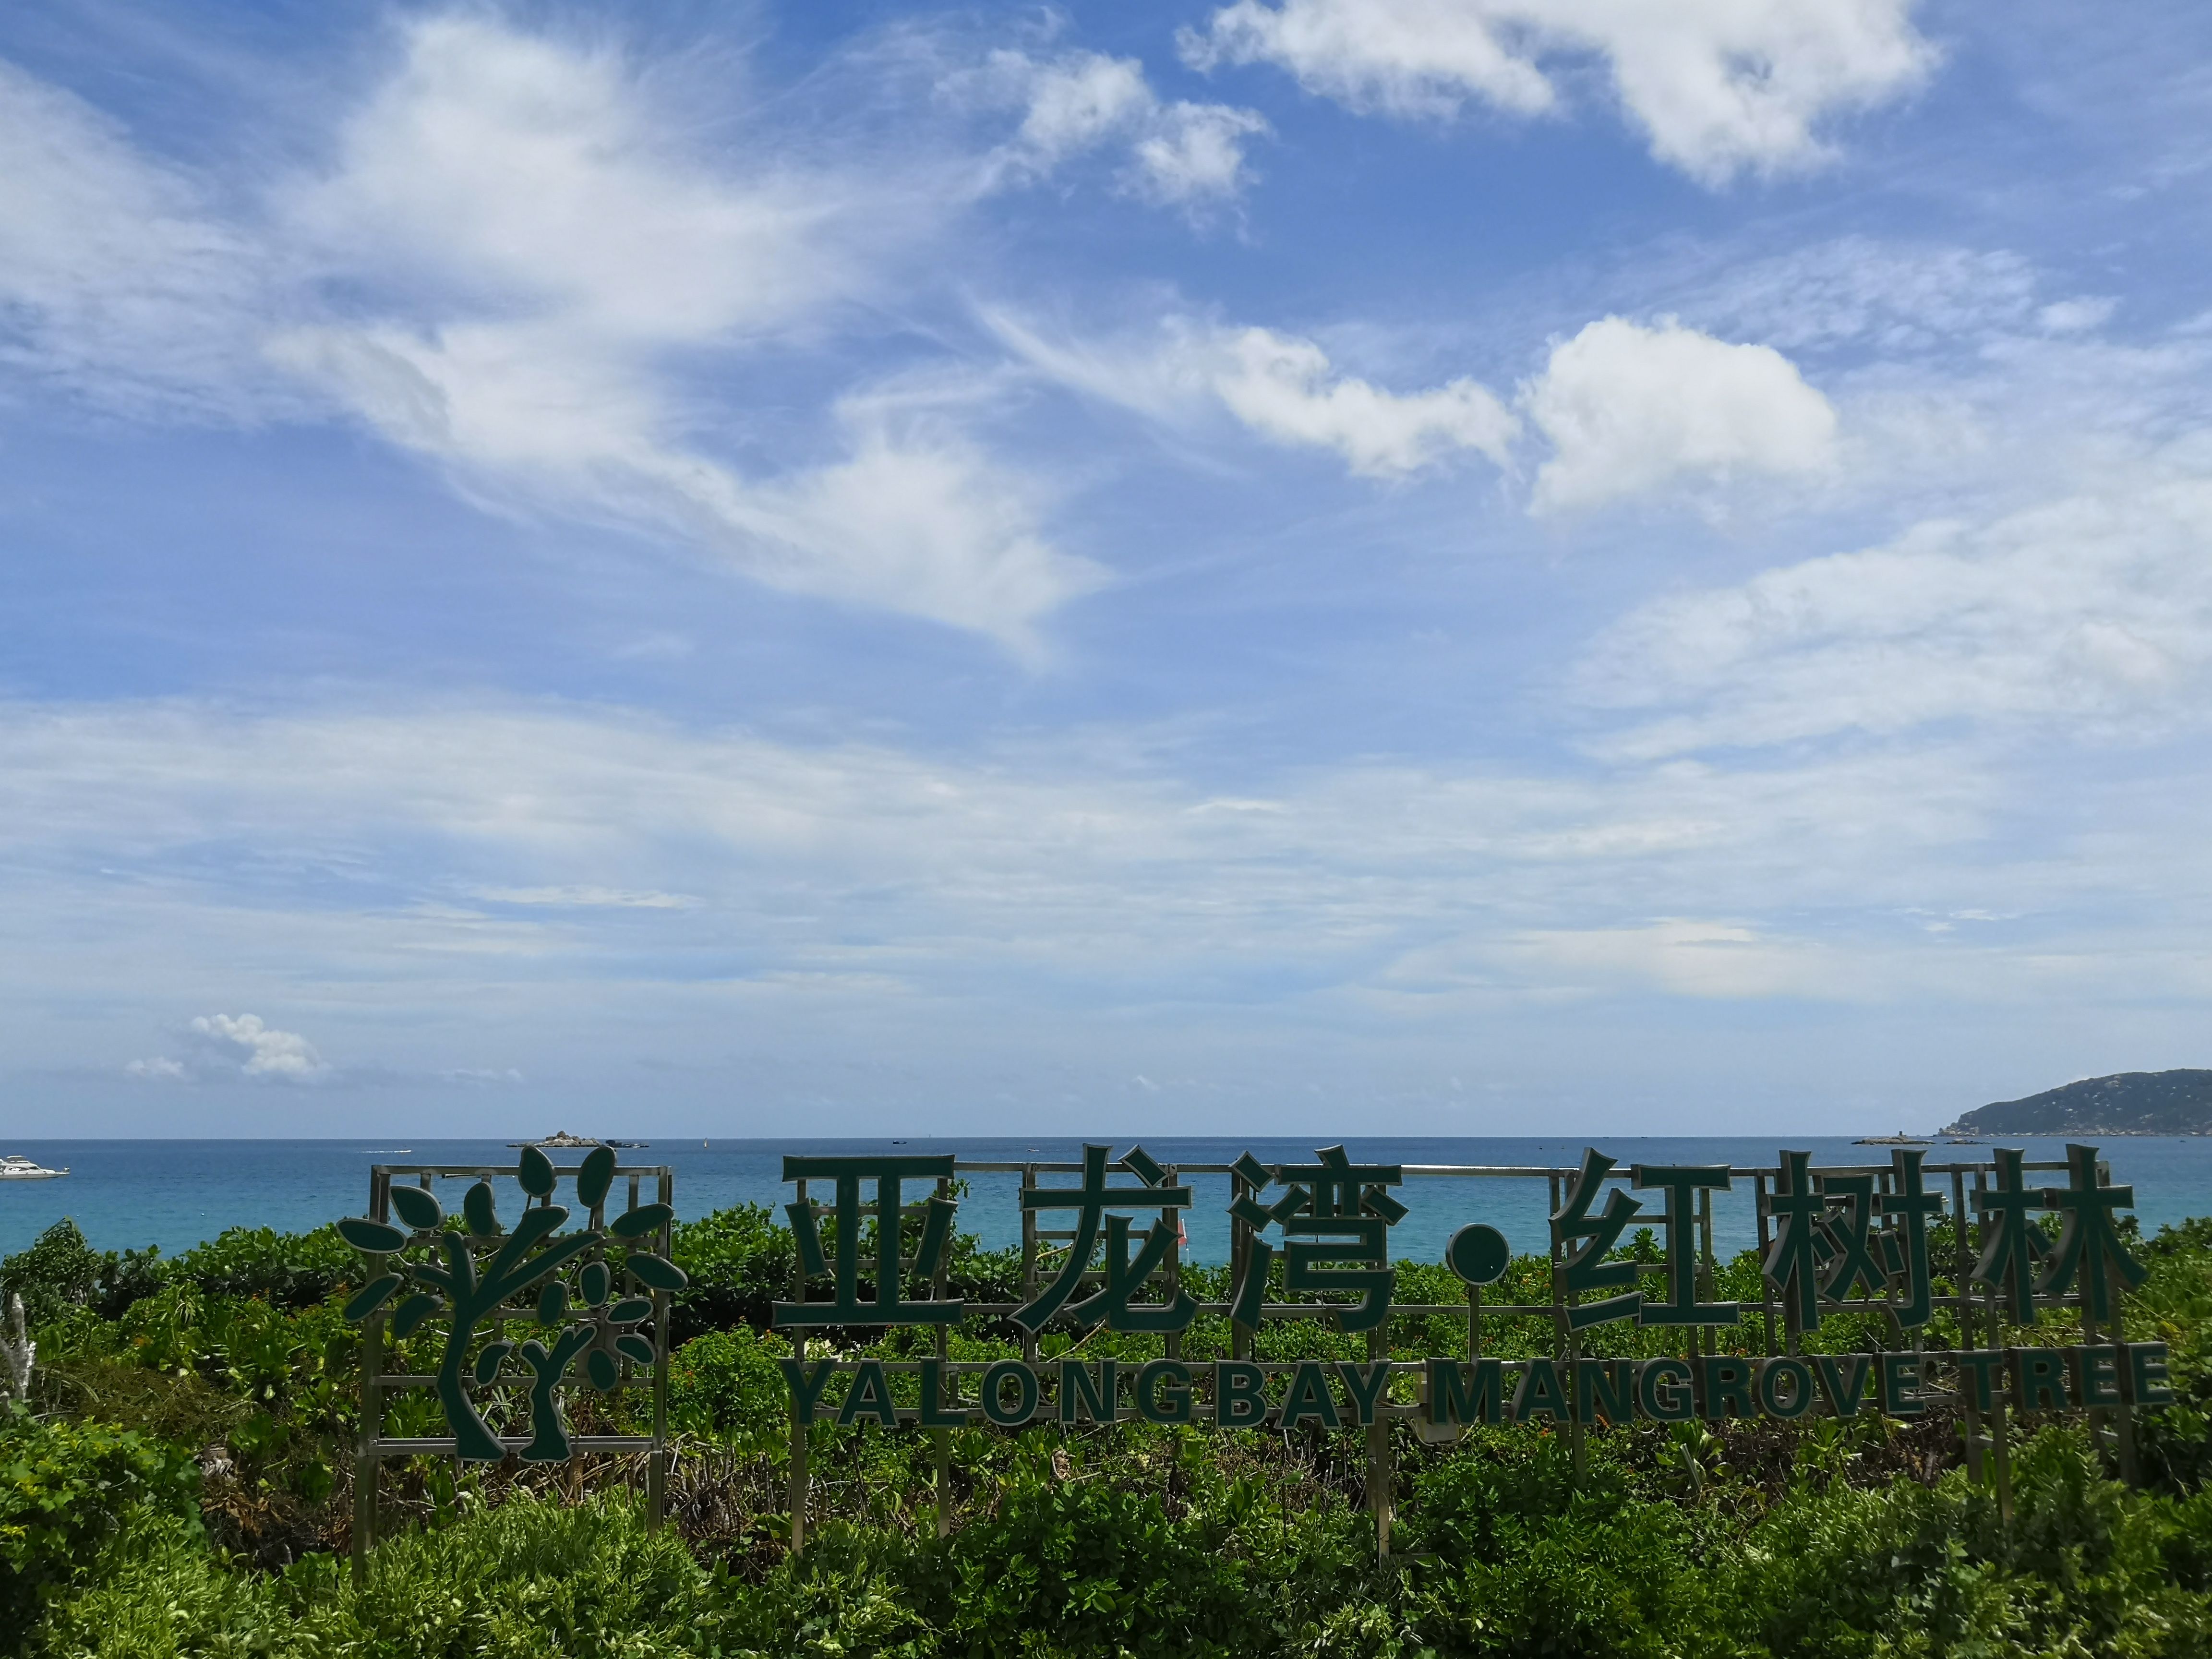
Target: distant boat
<point>15,1167</point>
<point>563,1140</point>
<point>1900,1139</point>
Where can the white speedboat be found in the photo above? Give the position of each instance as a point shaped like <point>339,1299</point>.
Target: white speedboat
<point>15,1167</point>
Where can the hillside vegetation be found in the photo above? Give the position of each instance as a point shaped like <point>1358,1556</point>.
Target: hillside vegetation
<point>2177,1103</point>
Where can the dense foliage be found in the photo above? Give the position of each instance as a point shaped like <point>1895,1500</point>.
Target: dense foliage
<point>66,1490</point>
<point>182,1487</point>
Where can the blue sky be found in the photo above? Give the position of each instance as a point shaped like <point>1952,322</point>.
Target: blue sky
<point>1301,565</point>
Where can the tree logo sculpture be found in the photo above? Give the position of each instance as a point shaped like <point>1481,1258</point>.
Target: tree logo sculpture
<point>469,1275</point>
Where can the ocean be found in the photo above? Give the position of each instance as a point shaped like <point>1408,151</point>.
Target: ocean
<point>174,1194</point>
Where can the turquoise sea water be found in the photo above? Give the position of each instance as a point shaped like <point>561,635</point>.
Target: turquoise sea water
<point>176,1192</point>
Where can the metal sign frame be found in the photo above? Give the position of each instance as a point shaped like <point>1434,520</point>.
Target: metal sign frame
<point>652,1231</point>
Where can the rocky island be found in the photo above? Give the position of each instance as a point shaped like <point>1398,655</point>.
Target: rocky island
<point>2177,1103</point>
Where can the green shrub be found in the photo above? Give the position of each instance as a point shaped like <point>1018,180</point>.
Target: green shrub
<point>1528,1560</point>
<point>285,1270</point>
<point>67,1489</point>
<point>166,1595</point>
<point>1124,1539</point>
<point>849,1594</point>
<point>60,1273</point>
<point>2083,1568</point>
<point>527,1580</point>
<point>726,1384</point>
<point>739,1262</point>
<point>1096,1570</point>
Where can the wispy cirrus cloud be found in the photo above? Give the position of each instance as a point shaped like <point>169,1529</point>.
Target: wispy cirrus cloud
<point>2092,610</point>
<point>927,872</point>
<point>504,268</point>
<point>120,279</point>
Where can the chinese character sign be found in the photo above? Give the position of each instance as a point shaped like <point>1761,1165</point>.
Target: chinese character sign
<point>1335,1216</point>
<point>1313,1241</point>
<point>888,1176</point>
<point>1115,1302</point>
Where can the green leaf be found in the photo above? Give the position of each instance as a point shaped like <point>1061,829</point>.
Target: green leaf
<point>489,1362</point>
<point>630,1311</point>
<point>595,1177</point>
<point>658,1272</point>
<point>476,1207</point>
<point>418,1208</point>
<point>372,1236</point>
<point>412,1312</point>
<point>630,1343</point>
<point>594,1282</point>
<point>552,1302</point>
<point>537,1172</point>
<point>373,1295</point>
<point>603,1372</point>
<point>645,1218</point>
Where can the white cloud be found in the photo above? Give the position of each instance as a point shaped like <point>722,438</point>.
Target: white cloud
<point>117,281</point>
<point>237,1046</point>
<point>915,517</point>
<point>1194,153</point>
<point>258,1049</point>
<point>570,239</point>
<point>1074,104</point>
<point>1629,409</point>
<point>1070,888</point>
<point>1282,386</point>
<point>1284,389</point>
<point>1106,869</point>
<point>2078,316</point>
<point>510,174</point>
<point>2095,609</point>
<point>1696,958</point>
<point>1179,153</point>
<point>515,264</point>
<point>1719,87</point>
<point>585,898</point>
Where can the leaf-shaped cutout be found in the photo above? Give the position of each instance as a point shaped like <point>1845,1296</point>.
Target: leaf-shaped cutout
<point>412,1312</point>
<point>595,1177</point>
<point>372,1236</point>
<point>476,1207</point>
<point>373,1295</point>
<point>601,1365</point>
<point>489,1361</point>
<point>635,1346</point>
<point>553,1303</point>
<point>538,1222</point>
<point>537,1172</point>
<point>630,1311</point>
<point>658,1272</point>
<point>635,1223</point>
<point>418,1208</point>
<point>594,1282</point>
